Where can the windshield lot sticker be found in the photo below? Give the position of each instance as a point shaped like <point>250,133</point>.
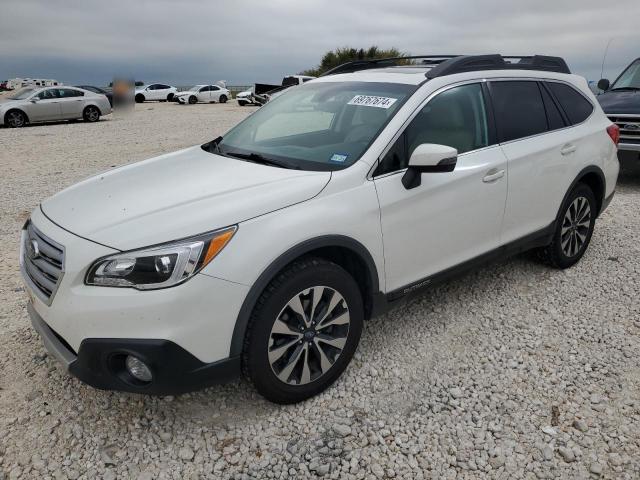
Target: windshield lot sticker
<point>338,157</point>
<point>371,101</point>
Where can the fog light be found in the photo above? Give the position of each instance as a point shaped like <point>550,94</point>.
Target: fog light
<point>138,369</point>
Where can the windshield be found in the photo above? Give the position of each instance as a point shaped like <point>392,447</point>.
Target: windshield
<point>22,94</point>
<point>317,126</point>
<point>630,78</point>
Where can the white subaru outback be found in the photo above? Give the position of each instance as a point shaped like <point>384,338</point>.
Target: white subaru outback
<point>262,252</point>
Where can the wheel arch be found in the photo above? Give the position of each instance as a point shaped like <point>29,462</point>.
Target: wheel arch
<point>15,109</point>
<point>342,250</point>
<point>594,178</point>
<point>91,104</point>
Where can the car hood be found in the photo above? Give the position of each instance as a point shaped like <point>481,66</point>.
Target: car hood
<point>624,102</point>
<point>176,195</point>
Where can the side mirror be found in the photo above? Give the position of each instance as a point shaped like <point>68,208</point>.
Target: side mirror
<point>429,158</point>
<point>604,84</point>
<point>34,100</point>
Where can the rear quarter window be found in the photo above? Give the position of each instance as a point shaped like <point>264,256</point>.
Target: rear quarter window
<point>575,105</point>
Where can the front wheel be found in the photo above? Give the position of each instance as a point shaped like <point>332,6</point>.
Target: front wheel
<point>15,119</point>
<point>192,100</point>
<point>140,98</point>
<point>303,331</point>
<point>91,114</point>
<point>169,97</point>
<point>574,228</point>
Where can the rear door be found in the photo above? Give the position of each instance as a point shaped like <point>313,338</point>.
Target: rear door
<point>71,103</point>
<point>532,134</point>
<point>215,93</point>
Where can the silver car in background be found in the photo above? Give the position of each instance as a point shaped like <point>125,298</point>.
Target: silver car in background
<point>47,104</point>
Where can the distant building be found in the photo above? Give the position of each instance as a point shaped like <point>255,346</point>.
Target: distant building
<point>15,83</point>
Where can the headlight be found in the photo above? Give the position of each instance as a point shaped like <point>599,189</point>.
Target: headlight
<point>160,266</point>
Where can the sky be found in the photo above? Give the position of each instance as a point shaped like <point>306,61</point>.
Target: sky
<point>246,41</point>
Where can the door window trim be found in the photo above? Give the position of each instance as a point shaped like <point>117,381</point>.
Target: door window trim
<point>491,124</point>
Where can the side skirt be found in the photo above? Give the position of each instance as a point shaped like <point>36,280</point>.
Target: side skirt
<point>385,302</point>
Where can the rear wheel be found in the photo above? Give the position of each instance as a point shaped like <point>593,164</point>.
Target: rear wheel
<point>303,331</point>
<point>574,228</point>
<point>91,114</point>
<point>15,119</point>
<point>193,99</point>
<point>223,99</point>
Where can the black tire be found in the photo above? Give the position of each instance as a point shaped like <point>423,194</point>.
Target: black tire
<point>91,114</point>
<point>223,99</point>
<point>193,100</point>
<point>242,104</point>
<point>15,119</point>
<point>571,238</point>
<point>169,97</point>
<point>140,98</point>
<point>299,277</point>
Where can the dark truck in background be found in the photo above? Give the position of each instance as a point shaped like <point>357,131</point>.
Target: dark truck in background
<point>621,102</point>
<point>263,92</point>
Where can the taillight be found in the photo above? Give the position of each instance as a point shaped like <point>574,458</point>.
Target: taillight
<point>614,132</point>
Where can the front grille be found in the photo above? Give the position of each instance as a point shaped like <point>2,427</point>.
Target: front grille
<point>42,261</point>
<point>629,127</point>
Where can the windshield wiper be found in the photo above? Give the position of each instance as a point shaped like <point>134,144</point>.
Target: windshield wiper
<point>624,88</point>
<point>259,158</point>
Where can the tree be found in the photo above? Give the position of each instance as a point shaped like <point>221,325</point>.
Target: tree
<point>342,55</point>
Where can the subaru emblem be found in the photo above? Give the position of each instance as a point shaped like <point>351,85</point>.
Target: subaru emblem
<point>631,126</point>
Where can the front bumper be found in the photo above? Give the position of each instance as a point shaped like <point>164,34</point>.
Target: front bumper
<point>185,331</point>
<point>100,363</point>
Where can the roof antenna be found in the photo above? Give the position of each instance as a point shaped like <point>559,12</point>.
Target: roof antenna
<point>606,50</point>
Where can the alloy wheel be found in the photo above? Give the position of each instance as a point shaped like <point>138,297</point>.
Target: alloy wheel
<point>308,335</point>
<point>15,119</point>
<point>575,227</point>
<point>92,114</point>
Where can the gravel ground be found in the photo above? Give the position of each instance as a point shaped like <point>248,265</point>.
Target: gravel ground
<point>515,371</point>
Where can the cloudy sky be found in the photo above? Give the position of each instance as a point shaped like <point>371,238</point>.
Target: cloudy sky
<point>243,41</point>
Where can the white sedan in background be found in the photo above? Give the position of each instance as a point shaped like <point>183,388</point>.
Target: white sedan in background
<point>155,91</point>
<point>203,93</point>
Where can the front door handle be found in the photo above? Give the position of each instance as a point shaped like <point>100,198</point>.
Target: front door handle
<point>493,175</point>
<point>567,149</point>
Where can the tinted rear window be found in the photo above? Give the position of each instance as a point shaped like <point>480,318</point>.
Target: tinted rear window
<point>573,103</point>
<point>519,109</point>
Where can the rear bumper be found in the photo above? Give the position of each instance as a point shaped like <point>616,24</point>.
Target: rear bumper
<point>100,363</point>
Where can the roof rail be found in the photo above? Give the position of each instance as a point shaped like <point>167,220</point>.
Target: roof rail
<point>450,64</point>
<point>472,63</point>
<point>365,64</point>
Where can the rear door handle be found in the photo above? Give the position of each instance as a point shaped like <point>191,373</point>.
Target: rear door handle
<point>567,149</point>
<point>493,175</point>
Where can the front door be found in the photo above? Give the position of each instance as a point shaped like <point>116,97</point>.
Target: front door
<point>44,107</point>
<point>451,217</point>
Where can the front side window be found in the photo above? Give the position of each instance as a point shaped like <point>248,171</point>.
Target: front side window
<point>630,78</point>
<point>573,103</point>
<point>519,109</point>
<point>48,94</point>
<point>456,117</point>
<point>317,126</point>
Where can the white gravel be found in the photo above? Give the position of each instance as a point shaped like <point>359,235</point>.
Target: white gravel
<point>515,371</point>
